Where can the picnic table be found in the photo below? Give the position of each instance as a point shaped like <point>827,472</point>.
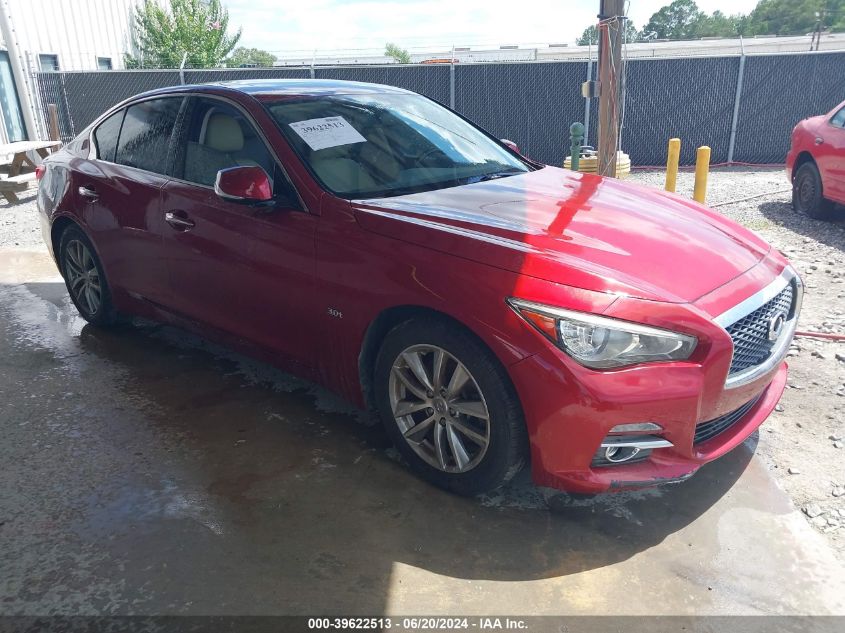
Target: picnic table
<point>17,181</point>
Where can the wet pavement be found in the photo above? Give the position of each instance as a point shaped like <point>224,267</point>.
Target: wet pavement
<point>144,471</point>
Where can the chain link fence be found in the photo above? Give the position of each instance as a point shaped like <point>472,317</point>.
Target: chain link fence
<point>744,108</point>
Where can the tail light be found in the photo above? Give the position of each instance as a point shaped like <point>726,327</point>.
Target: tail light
<point>40,170</point>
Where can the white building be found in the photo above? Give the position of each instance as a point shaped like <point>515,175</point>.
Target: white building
<point>560,52</point>
<point>45,35</point>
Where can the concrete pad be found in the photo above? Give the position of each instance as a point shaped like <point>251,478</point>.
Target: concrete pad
<point>145,471</point>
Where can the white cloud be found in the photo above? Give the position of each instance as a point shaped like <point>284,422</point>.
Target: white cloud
<point>331,25</point>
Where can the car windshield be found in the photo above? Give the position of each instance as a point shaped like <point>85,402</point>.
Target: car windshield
<point>379,145</point>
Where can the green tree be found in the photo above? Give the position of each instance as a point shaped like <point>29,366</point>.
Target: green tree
<point>401,55</point>
<point>243,57</point>
<point>680,20</point>
<point>162,35</point>
<point>796,17</point>
<point>721,25</point>
<point>591,34</point>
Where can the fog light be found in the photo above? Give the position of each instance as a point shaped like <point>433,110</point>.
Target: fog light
<point>619,454</point>
<point>617,449</point>
<point>645,427</point>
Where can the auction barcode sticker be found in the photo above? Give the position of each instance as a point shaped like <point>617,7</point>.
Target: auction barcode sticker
<point>327,132</point>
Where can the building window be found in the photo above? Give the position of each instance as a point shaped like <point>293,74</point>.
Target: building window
<point>104,63</point>
<point>48,63</point>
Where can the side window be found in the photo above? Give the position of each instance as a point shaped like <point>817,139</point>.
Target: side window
<point>839,118</point>
<point>145,136</point>
<point>218,136</point>
<point>105,136</point>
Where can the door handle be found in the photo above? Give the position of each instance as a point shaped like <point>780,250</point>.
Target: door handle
<point>88,193</point>
<point>819,140</point>
<point>178,223</point>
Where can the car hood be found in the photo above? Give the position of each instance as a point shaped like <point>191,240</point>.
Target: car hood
<point>576,229</point>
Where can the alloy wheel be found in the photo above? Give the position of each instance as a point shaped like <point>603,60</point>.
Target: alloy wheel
<point>83,277</point>
<point>439,408</point>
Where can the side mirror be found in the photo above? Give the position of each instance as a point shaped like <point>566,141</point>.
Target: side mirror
<point>243,184</point>
<point>511,145</point>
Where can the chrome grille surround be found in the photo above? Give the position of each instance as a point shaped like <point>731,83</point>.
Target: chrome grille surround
<point>750,334</point>
<point>748,326</point>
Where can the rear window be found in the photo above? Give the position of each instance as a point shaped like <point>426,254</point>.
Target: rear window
<point>146,133</point>
<point>105,136</point>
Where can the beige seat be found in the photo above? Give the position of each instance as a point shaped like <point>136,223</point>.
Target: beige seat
<point>340,173</point>
<point>221,137</point>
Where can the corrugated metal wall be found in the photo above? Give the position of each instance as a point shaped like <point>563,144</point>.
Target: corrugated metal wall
<point>77,32</point>
<point>534,103</point>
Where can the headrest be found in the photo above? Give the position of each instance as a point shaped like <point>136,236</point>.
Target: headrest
<point>223,133</point>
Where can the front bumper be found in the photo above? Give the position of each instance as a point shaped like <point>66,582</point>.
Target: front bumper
<point>567,428</point>
<point>570,410</point>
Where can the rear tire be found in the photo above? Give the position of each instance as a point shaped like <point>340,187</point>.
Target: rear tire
<point>85,278</point>
<point>463,431</point>
<point>808,194</point>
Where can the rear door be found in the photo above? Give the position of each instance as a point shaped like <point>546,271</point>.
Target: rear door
<point>245,270</point>
<point>830,156</point>
<point>119,193</point>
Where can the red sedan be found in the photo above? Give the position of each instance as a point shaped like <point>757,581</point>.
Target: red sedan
<point>815,163</point>
<point>492,310</point>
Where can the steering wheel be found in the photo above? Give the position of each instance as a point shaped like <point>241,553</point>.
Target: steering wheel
<point>419,160</point>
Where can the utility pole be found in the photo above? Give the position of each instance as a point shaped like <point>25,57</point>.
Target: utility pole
<point>611,27</point>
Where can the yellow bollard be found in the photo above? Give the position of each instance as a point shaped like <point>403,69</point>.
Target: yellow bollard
<point>672,163</point>
<point>702,167</point>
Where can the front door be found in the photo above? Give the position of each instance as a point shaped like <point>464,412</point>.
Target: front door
<point>242,269</point>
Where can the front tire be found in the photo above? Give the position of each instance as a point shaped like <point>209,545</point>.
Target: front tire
<point>85,279</point>
<point>449,407</point>
<point>808,194</point>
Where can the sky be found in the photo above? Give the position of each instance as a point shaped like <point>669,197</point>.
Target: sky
<point>427,25</point>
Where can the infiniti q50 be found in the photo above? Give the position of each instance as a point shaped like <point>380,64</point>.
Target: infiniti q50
<point>493,311</point>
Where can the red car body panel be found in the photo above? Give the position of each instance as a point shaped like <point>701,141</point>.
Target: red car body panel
<point>818,138</point>
<point>594,233</point>
<point>302,288</point>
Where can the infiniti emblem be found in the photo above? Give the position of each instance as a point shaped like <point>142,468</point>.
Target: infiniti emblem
<point>776,324</point>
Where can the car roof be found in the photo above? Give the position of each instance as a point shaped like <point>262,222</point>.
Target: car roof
<point>288,87</point>
<point>305,86</point>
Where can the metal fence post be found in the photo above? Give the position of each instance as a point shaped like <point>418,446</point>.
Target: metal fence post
<point>67,108</point>
<point>452,79</point>
<point>587,100</point>
<point>737,100</point>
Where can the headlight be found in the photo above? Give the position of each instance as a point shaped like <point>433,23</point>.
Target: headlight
<point>602,342</point>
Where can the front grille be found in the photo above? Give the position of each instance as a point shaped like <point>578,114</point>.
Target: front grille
<point>751,333</point>
<point>710,429</point>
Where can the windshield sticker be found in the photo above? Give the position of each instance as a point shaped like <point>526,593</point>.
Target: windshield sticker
<point>327,132</point>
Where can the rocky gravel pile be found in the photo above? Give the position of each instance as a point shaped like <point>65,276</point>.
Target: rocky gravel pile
<point>19,227</point>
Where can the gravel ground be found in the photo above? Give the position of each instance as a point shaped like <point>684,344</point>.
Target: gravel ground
<point>19,227</point>
<point>802,443</point>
